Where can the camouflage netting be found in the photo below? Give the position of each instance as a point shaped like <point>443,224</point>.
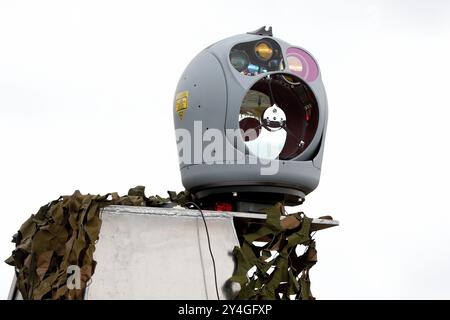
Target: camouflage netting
<point>64,233</point>
<point>280,273</point>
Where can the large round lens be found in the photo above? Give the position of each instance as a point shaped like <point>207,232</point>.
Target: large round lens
<point>280,115</point>
<point>239,60</point>
<point>302,64</point>
<point>263,50</point>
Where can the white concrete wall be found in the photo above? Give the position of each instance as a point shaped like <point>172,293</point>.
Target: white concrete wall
<point>153,253</point>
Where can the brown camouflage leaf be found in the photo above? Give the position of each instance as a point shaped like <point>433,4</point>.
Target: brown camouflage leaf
<point>43,261</point>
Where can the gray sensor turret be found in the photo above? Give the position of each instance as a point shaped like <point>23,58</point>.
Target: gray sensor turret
<point>250,115</point>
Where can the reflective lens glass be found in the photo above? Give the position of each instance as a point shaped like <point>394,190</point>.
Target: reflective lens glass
<point>263,50</point>
<point>278,117</point>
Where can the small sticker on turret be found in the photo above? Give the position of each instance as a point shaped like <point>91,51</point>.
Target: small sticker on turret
<point>181,103</point>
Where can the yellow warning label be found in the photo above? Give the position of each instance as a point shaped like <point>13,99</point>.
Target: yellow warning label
<point>181,103</point>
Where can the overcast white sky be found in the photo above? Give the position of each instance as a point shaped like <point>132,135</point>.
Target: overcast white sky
<point>86,91</point>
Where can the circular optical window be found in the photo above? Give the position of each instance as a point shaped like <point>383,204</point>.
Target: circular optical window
<point>264,51</point>
<point>239,60</point>
<point>278,117</point>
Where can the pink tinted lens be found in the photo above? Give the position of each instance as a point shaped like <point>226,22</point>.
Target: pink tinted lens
<point>302,64</point>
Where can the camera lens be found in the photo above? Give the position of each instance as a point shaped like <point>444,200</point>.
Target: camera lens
<point>239,60</point>
<point>263,51</point>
